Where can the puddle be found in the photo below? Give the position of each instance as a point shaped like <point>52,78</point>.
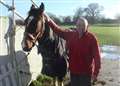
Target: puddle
<point>110,52</point>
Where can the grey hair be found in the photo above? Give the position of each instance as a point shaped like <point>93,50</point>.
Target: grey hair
<point>84,21</point>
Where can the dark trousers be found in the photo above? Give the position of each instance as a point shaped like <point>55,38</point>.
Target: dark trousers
<point>80,80</point>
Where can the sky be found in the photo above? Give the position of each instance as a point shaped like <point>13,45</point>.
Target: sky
<point>63,7</point>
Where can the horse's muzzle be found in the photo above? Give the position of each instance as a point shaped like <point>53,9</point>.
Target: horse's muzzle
<point>25,46</point>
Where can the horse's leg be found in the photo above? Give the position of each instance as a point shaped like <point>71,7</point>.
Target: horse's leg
<point>55,82</point>
<point>60,83</point>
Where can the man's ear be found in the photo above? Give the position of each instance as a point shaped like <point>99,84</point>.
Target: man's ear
<point>42,7</point>
<point>32,7</point>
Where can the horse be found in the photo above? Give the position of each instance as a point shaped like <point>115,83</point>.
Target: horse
<point>50,45</point>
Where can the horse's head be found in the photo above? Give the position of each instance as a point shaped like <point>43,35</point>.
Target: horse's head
<point>34,26</point>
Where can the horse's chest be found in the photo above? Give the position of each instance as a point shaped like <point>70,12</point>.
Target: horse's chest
<point>47,48</point>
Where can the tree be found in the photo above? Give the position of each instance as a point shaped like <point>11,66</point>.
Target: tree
<point>52,16</point>
<point>79,12</point>
<point>92,12</point>
<point>19,22</point>
<point>118,18</point>
<point>67,20</point>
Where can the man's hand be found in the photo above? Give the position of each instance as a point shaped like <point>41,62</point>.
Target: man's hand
<point>94,79</point>
<point>47,17</point>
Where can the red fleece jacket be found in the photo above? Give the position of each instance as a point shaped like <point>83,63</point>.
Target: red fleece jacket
<point>84,54</point>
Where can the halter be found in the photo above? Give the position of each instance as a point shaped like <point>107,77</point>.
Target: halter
<point>39,34</point>
<point>32,37</point>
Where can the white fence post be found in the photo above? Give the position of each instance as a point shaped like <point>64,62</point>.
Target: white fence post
<point>4,71</point>
<point>7,72</point>
<point>12,77</point>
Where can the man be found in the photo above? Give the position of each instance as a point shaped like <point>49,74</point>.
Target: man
<point>84,54</point>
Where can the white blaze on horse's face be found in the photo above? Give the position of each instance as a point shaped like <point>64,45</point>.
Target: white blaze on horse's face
<point>29,20</point>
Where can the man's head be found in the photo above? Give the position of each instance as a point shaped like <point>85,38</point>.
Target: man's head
<point>82,25</point>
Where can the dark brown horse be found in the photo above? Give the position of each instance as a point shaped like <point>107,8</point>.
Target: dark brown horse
<point>51,46</point>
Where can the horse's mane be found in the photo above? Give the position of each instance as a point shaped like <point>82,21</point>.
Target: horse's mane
<point>45,34</point>
<point>57,42</point>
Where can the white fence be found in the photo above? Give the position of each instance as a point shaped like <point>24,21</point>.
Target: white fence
<point>27,68</point>
<point>16,70</point>
<point>7,72</point>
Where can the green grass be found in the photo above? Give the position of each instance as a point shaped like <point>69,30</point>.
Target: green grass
<point>42,80</point>
<point>106,34</point>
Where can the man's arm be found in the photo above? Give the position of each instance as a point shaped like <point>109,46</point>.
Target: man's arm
<point>97,58</point>
<point>57,29</point>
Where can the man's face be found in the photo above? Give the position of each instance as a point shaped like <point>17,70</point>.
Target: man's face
<point>80,25</point>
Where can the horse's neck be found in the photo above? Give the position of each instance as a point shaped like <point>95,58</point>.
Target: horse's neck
<point>51,43</point>
<point>46,43</point>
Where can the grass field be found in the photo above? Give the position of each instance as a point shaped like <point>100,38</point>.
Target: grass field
<point>106,34</point>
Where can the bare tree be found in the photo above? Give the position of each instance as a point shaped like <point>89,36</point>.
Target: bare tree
<point>67,20</point>
<point>92,12</point>
<point>118,18</point>
<point>79,12</point>
<point>55,18</point>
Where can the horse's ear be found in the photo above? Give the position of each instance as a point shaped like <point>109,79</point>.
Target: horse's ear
<point>32,7</point>
<point>42,7</point>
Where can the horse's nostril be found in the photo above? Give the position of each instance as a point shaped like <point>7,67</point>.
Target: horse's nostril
<point>27,49</point>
